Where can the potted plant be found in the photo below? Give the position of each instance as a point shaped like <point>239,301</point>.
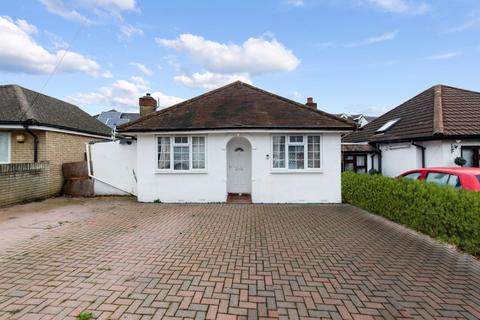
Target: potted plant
<point>459,161</point>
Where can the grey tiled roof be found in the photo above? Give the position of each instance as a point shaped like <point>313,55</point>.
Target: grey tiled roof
<point>18,104</point>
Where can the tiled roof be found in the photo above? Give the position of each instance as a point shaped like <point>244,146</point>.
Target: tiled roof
<point>237,106</point>
<point>18,104</point>
<point>357,147</point>
<point>438,112</point>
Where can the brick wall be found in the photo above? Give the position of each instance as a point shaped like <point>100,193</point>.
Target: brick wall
<point>55,148</point>
<point>23,152</point>
<point>63,148</point>
<point>21,182</point>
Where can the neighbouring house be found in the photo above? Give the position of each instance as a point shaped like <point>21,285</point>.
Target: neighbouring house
<point>38,134</point>
<point>237,141</point>
<point>114,118</point>
<point>359,119</point>
<point>431,129</point>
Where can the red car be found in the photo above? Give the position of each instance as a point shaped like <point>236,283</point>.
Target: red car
<point>466,178</point>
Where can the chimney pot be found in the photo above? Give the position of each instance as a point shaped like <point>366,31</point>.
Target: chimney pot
<point>310,103</point>
<point>147,104</point>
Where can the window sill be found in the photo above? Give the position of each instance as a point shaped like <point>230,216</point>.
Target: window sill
<point>298,171</point>
<point>181,171</point>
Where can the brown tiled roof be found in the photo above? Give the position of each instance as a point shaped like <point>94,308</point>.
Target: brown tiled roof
<point>357,147</point>
<point>237,106</point>
<point>439,112</point>
<point>18,104</point>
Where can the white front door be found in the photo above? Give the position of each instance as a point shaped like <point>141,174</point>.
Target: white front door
<point>239,166</point>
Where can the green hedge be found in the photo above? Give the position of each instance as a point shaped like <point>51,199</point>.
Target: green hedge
<point>444,213</point>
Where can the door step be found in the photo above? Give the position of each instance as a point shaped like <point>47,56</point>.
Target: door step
<point>239,198</point>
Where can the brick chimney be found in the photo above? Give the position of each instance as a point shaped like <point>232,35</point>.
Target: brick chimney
<point>310,103</point>
<point>147,104</point>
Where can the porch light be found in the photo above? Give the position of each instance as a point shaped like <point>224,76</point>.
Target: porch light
<point>20,138</point>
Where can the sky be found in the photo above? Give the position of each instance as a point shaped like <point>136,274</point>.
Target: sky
<point>352,56</point>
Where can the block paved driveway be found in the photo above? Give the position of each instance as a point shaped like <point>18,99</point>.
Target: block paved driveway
<point>151,261</point>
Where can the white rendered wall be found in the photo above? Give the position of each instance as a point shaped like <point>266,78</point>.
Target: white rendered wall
<point>115,166</point>
<point>438,153</point>
<point>267,187</point>
<point>442,153</point>
<point>399,157</point>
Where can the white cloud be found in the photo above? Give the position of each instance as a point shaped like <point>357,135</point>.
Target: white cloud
<point>445,55</point>
<point>412,7</point>
<point>128,31</point>
<point>208,80</point>
<point>254,56</point>
<point>367,110</point>
<point>27,27</point>
<point>70,9</point>
<point>61,9</point>
<point>122,95</point>
<point>472,22</point>
<point>295,3</point>
<point>388,36</point>
<point>20,53</point>
<point>223,63</point>
<point>85,11</point>
<point>57,42</point>
<point>141,67</point>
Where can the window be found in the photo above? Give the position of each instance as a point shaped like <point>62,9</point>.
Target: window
<point>472,156</point>
<point>355,162</point>
<point>313,152</point>
<point>454,181</point>
<point>181,153</point>
<point>413,175</point>
<point>296,152</point>
<point>198,152</point>
<point>387,125</point>
<point>279,151</point>
<point>437,177</point>
<point>163,152</point>
<point>4,147</point>
<point>444,179</point>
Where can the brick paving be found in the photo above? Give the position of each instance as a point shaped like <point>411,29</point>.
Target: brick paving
<point>151,261</point>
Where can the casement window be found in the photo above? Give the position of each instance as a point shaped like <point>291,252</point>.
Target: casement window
<point>181,153</point>
<point>355,162</point>
<point>4,147</point>
<point>472,155</point>
<point>163,152</point>
<point>296,152</point>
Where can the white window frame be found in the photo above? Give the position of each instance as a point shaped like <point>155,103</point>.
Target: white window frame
<point>172,152</point>
<point>9,147</point>
<point>305,152</point>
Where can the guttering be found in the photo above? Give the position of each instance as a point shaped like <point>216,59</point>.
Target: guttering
<point>422,148</point>
<point>47,127</point>
<point>229,129</point>
<point>26,125</point>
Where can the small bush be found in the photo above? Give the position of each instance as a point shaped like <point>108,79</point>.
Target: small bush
<point>85,315</point>
<point>447,214</point>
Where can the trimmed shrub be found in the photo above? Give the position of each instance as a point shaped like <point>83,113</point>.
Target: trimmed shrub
<point>447,214</point>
